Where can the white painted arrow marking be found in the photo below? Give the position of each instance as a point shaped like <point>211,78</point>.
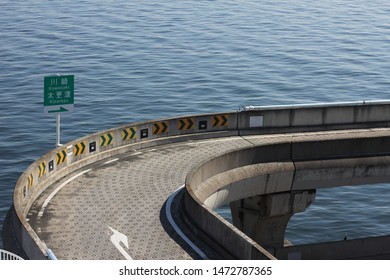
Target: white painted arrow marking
<point>118,238</point>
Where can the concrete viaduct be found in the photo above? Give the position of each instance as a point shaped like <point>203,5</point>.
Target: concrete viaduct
<point>148,190</point>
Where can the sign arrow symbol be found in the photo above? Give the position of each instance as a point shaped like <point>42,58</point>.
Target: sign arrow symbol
<point>62,109</point>
<point>118,238</point>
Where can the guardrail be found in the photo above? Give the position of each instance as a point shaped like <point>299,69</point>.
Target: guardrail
<point>8,256</point>
<point>59,162</point>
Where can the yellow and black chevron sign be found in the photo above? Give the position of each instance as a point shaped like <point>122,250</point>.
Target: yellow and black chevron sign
<point>30,180</point>
<point>106,139</point>
<point>187,123</point>
<point>129,133</point>
<point>160,127</point>
<point>42,169</point>
<point>79,148</point>
<point>220,120</point>
<point>61,156</point>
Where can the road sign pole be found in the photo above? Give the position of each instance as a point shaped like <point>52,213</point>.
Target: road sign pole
<point>58,121</point>
<point>58,96</point>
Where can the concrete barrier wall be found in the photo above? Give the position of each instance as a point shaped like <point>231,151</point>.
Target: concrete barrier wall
<point>313,164</point>
<point>76,154</point>
<point>248,181</point>
<point>280,167</point>
<point>221,232</point>
<point>236,159</point>
<point>362,248</point>
<point>341,172</point>
<point>340,148</point>
<point>313,117</point>
<point>342,162</point>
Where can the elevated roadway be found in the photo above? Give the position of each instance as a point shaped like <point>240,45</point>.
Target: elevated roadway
<point>146,191</point>
<point>125,193</point>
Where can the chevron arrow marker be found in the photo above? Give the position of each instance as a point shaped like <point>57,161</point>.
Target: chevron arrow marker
<point>156,128</point>
<point>77,149</point>
<point>128,133</point>
<point>132,133</point>
<point>181,124</point>
<point>61,156</point>
<point>103,139</point>
<point>216,121</point>
<point>42,169</point>
<point>165,127</point>
<point>190,123</point>
<point>185,124</point>
<point>80,148</point>
<point>30,180</point>
<point>224,120</point>
<point>109,138</point>
<point>124,134</point>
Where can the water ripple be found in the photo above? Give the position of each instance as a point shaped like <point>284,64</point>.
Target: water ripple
<point>140,60</point>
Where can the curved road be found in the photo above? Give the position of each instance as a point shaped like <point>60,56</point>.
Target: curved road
<point>116,208</point>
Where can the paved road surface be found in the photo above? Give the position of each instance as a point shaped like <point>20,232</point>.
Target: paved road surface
<point>96,211</point>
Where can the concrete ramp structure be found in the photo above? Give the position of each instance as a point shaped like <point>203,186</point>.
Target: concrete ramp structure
<point>266,184</point>
<point>114,194</point>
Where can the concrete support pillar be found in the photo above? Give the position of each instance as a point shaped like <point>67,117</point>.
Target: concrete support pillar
<point>264,218</point>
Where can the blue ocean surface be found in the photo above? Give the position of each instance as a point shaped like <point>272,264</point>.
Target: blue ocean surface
<point>142,60</point>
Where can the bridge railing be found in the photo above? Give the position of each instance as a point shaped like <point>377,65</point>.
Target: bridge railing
<point>8,256</point>
<point>61,161</point>
<point>312,117</point>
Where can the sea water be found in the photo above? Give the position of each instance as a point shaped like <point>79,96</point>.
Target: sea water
<point>142,60</point>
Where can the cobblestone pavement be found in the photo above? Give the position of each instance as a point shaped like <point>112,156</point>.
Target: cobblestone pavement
<point>103,207</point>
<point>121,195</point>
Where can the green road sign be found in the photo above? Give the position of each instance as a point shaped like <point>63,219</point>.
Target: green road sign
<point>58,94</point>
